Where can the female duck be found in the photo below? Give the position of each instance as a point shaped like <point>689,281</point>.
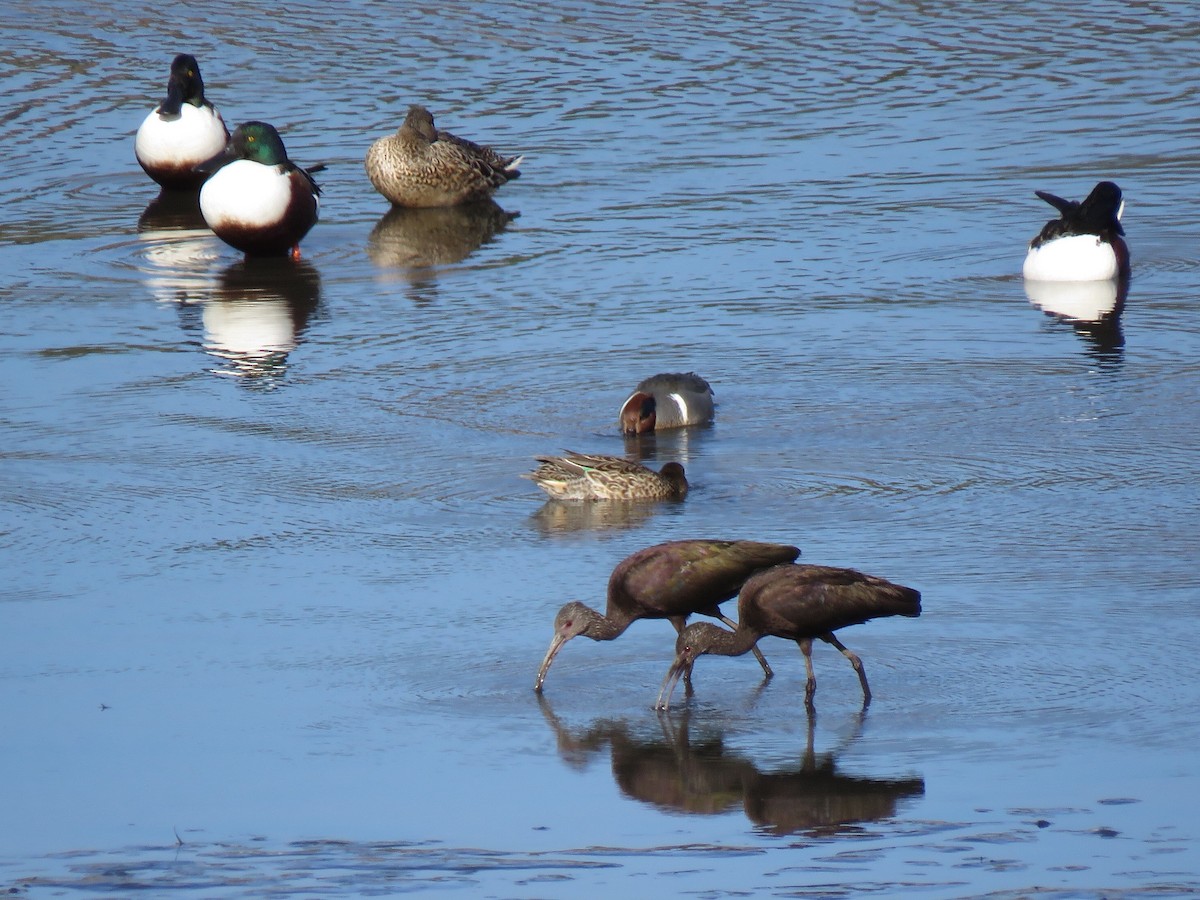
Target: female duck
<point>580,476</point>
<point>1085,243</point>
<point>183,130</point>
<point>259,201</point>
<point>421,166</point>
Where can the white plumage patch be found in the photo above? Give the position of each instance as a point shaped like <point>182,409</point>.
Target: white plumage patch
<point>193,136</point>
<point>1077,257</point>
<point>245,193</point>
<point>1081,301</point>
<point>682,404</point>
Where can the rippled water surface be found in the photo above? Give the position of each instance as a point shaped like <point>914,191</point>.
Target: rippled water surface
<point>274,593</point>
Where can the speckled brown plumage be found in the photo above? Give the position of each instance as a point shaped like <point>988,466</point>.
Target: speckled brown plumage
<point>420,166</point>
<point>580,476</point>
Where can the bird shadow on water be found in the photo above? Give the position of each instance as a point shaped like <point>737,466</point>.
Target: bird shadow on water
<point>678,771</point>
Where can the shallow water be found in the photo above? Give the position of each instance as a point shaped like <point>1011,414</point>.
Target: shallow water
<point>275,595</point>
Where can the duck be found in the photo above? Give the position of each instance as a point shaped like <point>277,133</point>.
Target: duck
<point>257,200</point>
<point>582,476</point>
<point>182,131</point>
<point>421,166</point>
<point>667,400</point>
<point>1086,242</point>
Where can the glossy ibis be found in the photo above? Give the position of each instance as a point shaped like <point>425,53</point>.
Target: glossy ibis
<point>668,581</point>
<point>800,602</point>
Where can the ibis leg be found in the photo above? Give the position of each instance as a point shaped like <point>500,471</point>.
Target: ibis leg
<point>762,660</point>
<point>854,661</point>
<point>810,687</point>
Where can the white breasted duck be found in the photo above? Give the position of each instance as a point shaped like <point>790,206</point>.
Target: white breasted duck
<point>669,400</point>
<point>183,130</point>
<point>1085,243</point>
<point>259,201</point>
<point>421,166</point>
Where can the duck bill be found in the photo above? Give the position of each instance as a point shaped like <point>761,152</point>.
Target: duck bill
<point>213,163</point>
<point>678,668</point>
<point>174,102</point>
<point>555,645</point>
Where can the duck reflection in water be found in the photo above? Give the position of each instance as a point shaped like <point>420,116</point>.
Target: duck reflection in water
<point>1092,308</point>
<point>414,242</point>
<point>567,517</point>
<point>254,317</point>
<point>673,771</point>
<point>173,211</point>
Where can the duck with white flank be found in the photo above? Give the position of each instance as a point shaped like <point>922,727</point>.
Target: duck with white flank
<point>182,131</point>
<point>669,400</point>
<point>258,200</point>
<point>1085,243</point>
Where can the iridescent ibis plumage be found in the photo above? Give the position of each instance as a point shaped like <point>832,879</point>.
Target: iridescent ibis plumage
<point>668,581</point>
<point>799,602</point>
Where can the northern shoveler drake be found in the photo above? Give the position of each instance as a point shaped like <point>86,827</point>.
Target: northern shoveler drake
<point>580,476</point>
<point>669,400</point>
<point>258,200</point>
<point>183,130</point>
<point>421,166</point>
<point>1085,243</point>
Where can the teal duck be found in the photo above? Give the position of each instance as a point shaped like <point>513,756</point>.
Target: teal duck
<point>580,476</point>
<point>669,400</point>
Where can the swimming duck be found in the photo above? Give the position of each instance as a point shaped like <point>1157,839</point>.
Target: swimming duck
<point>1085,243</point>
<point>581,476</point>
<point>182,131</point>
<point>258,200</point>
<point>422,166</point>
<point>669,400</point>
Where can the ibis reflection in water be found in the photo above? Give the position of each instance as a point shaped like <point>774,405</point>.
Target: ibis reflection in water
<point>674,771</point>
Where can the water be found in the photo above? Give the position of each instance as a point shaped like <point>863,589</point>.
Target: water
<point>274,594</point>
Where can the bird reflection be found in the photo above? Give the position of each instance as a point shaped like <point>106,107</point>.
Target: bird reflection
<point>1092,308</point>
<point>173,211</point>
<point>255,315</point>
<point>675,772</point>
<point>567,516</point>
<point>671,444</point>
<point>415,241</point>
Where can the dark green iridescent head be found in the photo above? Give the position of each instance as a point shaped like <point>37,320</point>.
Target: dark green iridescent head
<point>258,142</point>
<point>183,86</point>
